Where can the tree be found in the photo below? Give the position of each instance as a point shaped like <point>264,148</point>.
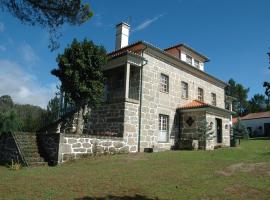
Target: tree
<point>267,84</point>
<point>9,121</point>
<point>240,106</point>
<point>239,130</point>
<point>53,110</point>
<point>258,103</point>
<point>205,133</point>
<point>81,76</point>
<point>49,14</point>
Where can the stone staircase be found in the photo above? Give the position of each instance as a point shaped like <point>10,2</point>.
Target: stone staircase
<point>27,143</point>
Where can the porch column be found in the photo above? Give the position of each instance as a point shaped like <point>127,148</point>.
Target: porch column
<point>127,76</point>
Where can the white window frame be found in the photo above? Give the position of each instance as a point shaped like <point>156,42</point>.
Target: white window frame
<point>213,99</point>
<point>200,94</point>
<point>189,59</point>
<point>164,83</point>
<point>163,124</point>
<point>184,90</point>
<point>196,63</point>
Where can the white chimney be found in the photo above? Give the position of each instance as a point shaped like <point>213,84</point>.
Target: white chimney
<point>122,34</point>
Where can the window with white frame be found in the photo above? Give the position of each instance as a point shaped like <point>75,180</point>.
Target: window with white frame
<point>164,83</point>
<point>196,64</point>
<point>189,59</point>
<point>214,99</point>
<point>184,86</point>
<point>163,128</point>
<point>200,94</point>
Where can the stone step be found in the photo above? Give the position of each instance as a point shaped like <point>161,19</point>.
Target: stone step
<point>37,164</point>
<point>29,147</point>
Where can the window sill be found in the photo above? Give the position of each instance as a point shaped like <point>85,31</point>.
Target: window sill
<point>160,142</point>
<point>164,92</point>
<point>132,101</point>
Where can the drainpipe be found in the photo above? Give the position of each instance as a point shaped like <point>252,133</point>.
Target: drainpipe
<point>140,106</point>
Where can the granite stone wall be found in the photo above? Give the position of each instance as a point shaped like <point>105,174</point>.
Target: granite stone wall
<point>131,125</point>
<point>225,129</point>
<point>155,102</point>
<point>77,146</point>
<point>107,119</point>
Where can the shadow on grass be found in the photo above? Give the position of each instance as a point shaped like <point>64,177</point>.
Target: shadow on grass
<point>260,138</point>
<point>110,197</point>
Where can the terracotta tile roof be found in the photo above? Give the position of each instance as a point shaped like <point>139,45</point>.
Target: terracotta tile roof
<point>135,48</point>
<point>256,115</point>
<point>194,104</point>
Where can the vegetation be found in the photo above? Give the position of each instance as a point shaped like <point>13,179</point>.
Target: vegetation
<point>242,106</point>
<point>48,14</point>
<point>238,91</point>
<point>81,76</point>
<point>258,103</point>
<point>28,118</point>
<point>226,173</point>
<point>266,84</point>
<point>239,131</point>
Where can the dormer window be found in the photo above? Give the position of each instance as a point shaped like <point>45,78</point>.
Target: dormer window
<point>196,63</point>
<point>189,59</point>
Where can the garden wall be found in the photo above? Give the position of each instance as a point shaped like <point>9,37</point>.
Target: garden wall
<point>76,146</point>
<point>9,150</point>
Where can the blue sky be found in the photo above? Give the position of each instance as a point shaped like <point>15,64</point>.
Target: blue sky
<point>234,34</point>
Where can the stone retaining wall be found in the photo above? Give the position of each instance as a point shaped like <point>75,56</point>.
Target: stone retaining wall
<point>9,150</point>
<point>48,147</point>
<point>73,146</point>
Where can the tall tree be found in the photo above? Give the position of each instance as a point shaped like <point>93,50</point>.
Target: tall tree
<point>267,84</point>
<point>240,106</point>
<point>9,121</point>
<point>81,75</point>
<point>258,103</point>
<point>49,14</point>
<point>53,109</point>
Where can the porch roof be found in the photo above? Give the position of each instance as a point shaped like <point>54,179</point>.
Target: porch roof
<point>196,104</point>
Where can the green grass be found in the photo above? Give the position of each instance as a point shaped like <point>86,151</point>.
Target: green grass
<point>167,175</point>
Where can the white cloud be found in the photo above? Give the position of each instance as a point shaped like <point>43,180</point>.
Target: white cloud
<point>28,54</point>
<point>147,23</point>
<point>98,20</point>
<point>2,27</point>
<point>23,87</point>
<point>3,48</point>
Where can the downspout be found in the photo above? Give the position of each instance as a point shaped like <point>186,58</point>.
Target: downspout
<point>140,106</point>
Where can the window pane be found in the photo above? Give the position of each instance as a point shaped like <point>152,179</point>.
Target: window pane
<point>164,83</point>
<point>184,90</point>
<point>214,99</point>
<point>200,94</point>
<point>196,63</point>
<point>189,59</point>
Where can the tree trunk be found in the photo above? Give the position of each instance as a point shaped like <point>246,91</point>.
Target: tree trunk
<point>80,121</point>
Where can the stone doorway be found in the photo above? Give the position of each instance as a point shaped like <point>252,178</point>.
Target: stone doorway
<point>219,130</point>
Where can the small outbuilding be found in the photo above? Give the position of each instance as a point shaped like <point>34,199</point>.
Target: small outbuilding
<point>258,124</point>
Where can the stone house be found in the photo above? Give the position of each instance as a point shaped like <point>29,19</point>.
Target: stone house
<point>157,98</point>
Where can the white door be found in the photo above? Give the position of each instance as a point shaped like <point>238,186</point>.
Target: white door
<point>163,128</point>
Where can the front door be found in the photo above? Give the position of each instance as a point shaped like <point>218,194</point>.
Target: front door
<point>219,130</point>
<point>267,129</point>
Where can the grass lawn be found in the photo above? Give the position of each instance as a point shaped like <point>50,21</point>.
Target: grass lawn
<point>229,173</point>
